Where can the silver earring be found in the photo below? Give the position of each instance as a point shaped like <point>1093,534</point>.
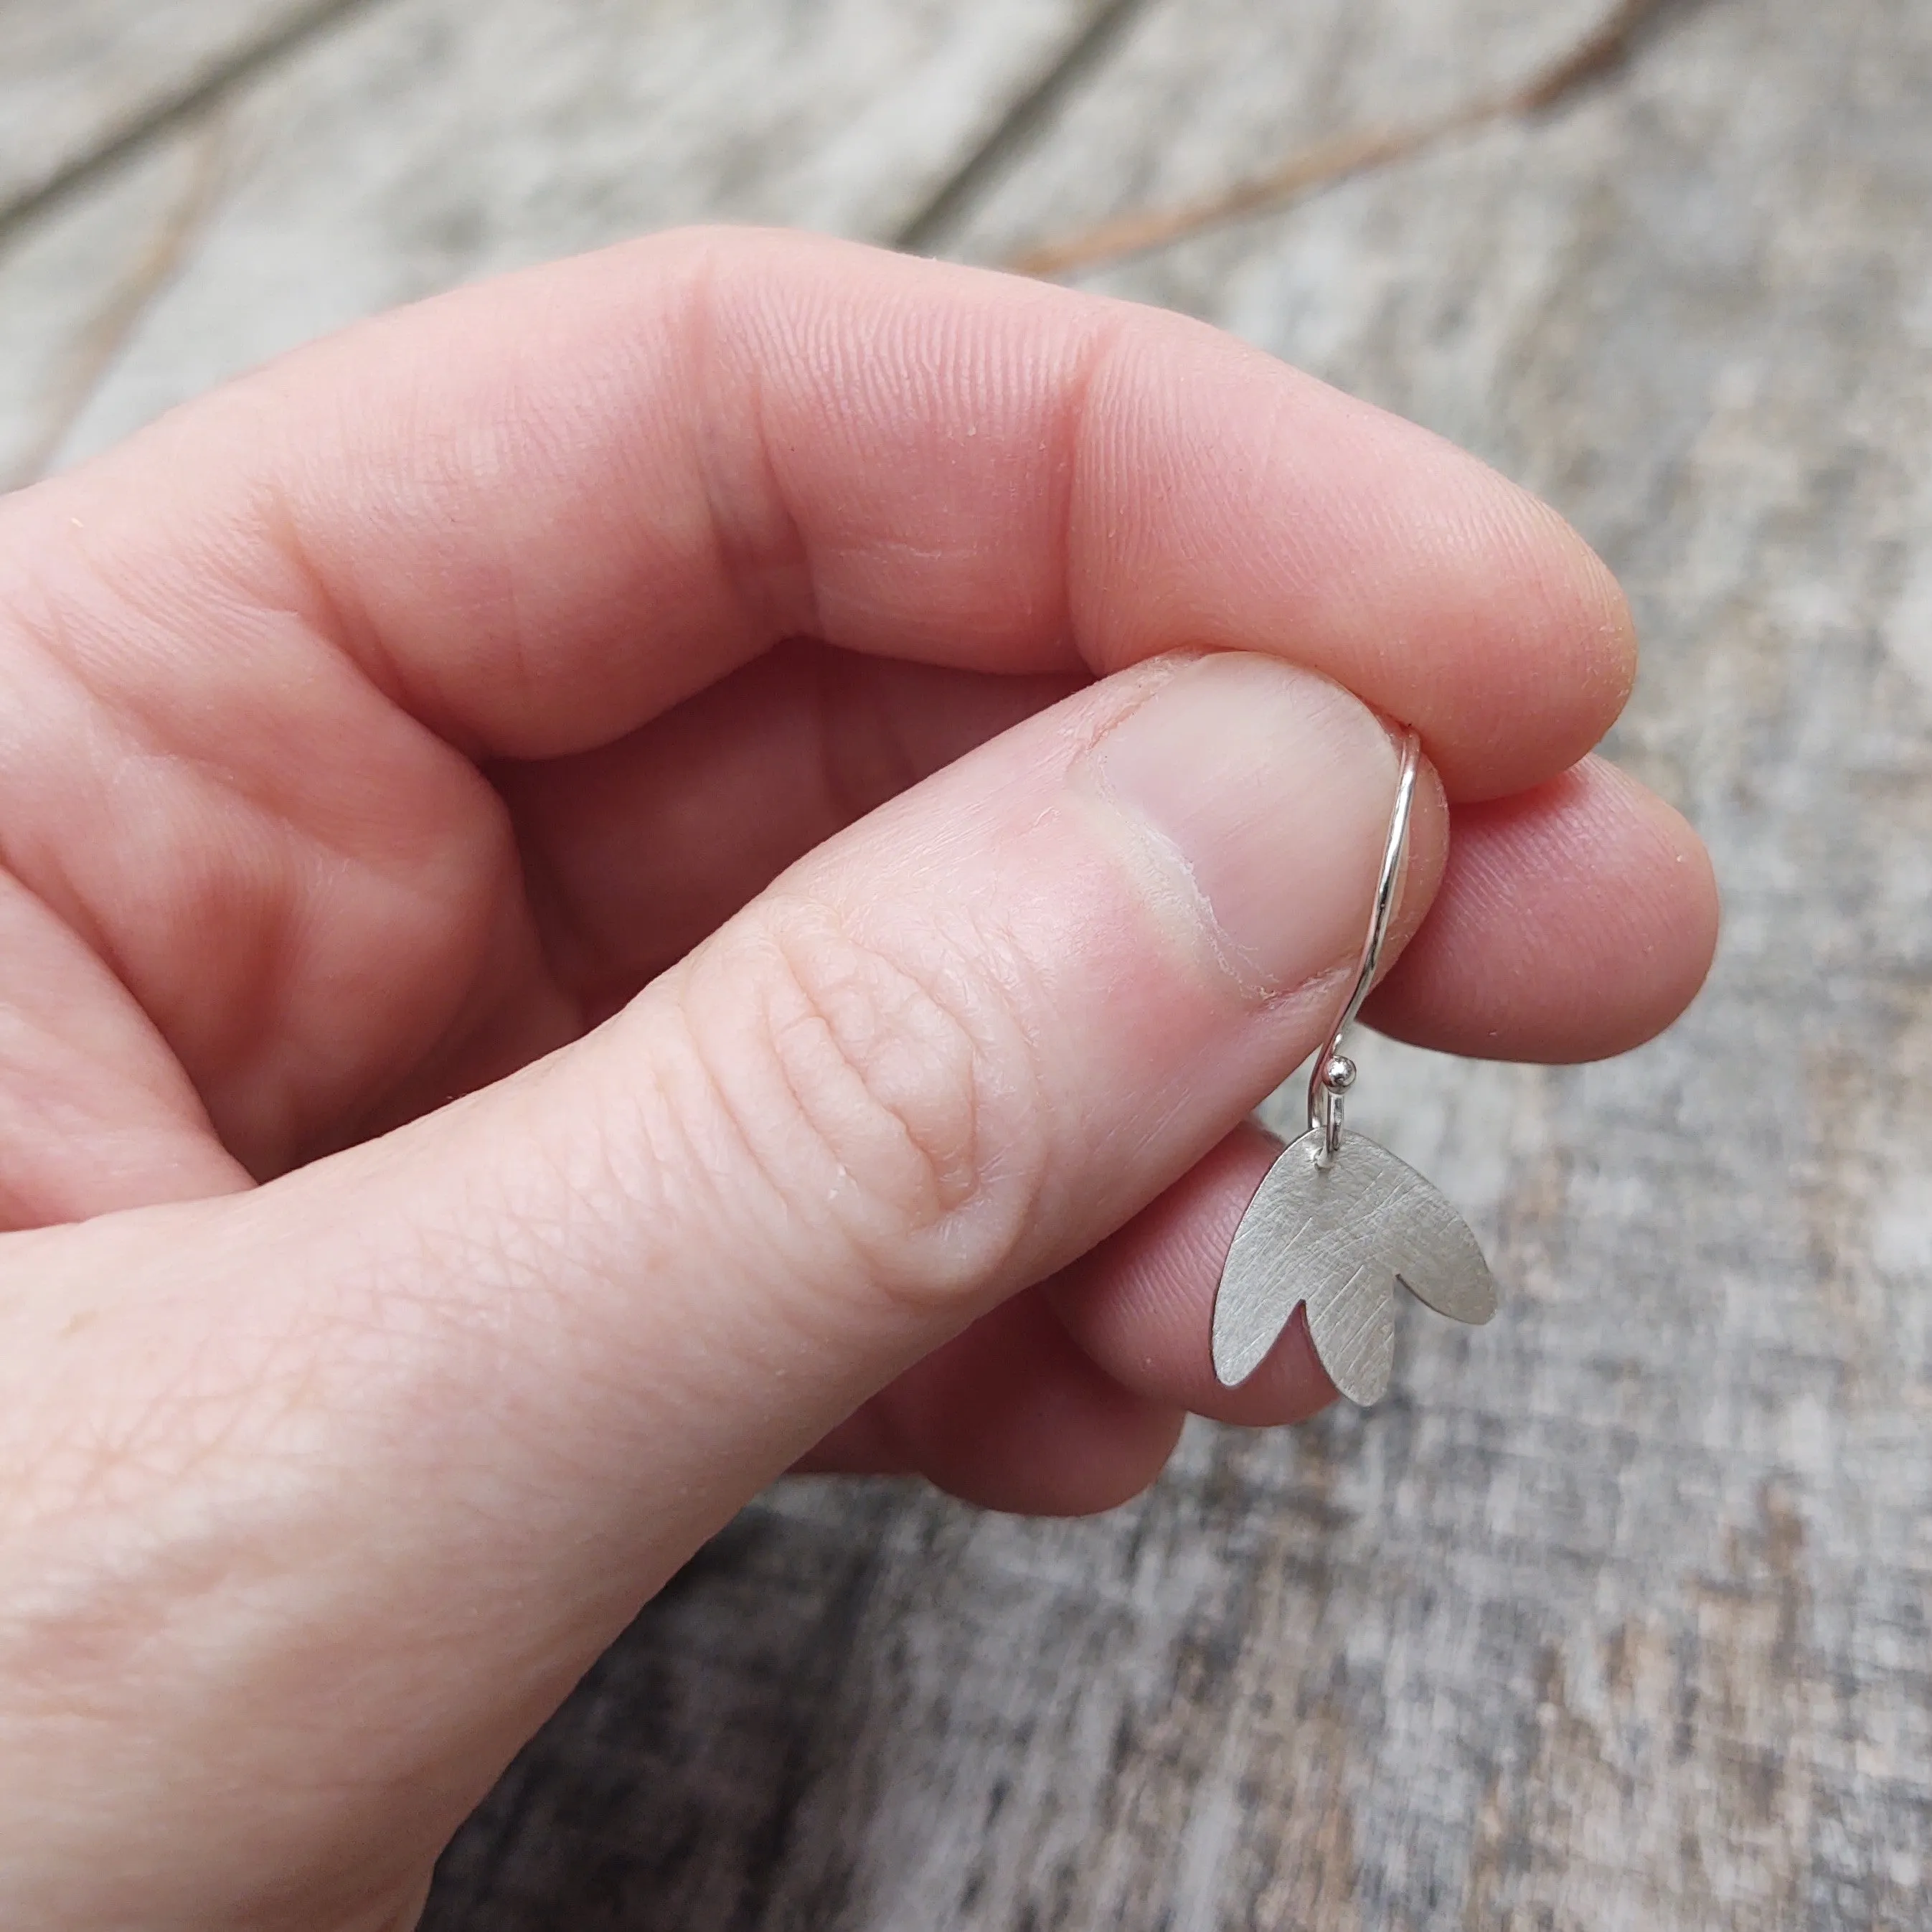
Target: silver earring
<point>1338,1221</point>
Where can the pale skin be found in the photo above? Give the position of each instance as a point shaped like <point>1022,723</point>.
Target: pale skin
<point>683,866</point>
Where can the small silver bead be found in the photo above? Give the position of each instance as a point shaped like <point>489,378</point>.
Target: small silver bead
<point>1339,1075</point>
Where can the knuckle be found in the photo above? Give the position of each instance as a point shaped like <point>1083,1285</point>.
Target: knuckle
<point>885,1095</point>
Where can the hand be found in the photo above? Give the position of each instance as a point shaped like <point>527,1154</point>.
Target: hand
<point>614,884</point>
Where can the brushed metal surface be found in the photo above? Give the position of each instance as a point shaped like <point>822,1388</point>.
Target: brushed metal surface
<point>1338,1237</point>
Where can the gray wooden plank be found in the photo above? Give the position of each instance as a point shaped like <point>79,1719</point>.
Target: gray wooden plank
<point>70,285</point>
<point>1615,1615</point>
<point>106,110</point>
<point>85,75</point>
<point>1204,94</point>
<point>424,142</point>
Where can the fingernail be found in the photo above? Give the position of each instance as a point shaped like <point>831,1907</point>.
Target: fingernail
<point>1260,794</point>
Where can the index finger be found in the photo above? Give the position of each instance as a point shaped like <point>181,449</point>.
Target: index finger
<point>539,511</point>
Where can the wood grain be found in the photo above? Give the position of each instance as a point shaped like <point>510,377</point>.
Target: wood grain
<point>1603,46</point>
<point>86,78</point>
<point>424,142</point>
<point>1615,1614</point>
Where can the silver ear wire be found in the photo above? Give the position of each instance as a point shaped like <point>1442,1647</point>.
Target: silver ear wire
<point>1334,1072</point>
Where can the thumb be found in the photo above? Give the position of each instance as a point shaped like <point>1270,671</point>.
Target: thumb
<point>348,1479</point>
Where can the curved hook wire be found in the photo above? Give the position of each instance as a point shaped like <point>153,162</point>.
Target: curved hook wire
<point>1334,1072</point>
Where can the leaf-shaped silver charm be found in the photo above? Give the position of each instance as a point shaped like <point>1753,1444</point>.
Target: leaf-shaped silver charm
<point>1339,1238</point>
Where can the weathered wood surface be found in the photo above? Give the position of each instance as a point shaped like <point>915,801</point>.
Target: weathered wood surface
<point>78,79</point>
<point>1615,1615</point>
<point>422,143</point>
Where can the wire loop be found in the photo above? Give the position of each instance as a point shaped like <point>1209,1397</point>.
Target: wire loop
<point>1334,1072</point>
